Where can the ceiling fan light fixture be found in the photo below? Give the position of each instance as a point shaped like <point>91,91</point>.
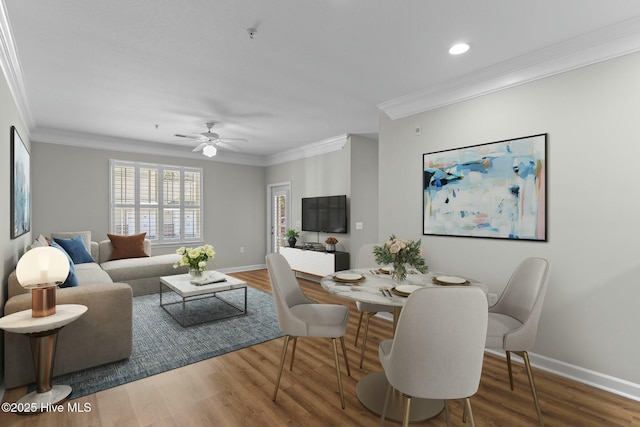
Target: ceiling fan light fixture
<point>459,48</point>
<point>209,150</point>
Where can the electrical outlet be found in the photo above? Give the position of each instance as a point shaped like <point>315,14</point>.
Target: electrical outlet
<point>241,249</point>
<point>418,129</point>
<point>359,225</point>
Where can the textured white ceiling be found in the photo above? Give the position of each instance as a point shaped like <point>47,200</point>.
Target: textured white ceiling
<point>316,69</point>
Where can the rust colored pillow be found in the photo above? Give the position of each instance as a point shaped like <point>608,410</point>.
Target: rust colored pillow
<point>127,246</point>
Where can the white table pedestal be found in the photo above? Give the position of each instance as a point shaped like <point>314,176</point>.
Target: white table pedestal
<point>372,389</point>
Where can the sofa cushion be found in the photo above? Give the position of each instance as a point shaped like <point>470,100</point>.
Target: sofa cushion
<point>86,236</point>
<point>123,270</point>
<point>127,246</point>
<point>39,242</point>
<point>72,279</point>
<point>76,249</point>
<point>90,273</point>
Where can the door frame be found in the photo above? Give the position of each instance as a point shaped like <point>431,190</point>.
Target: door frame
<point>270,188</point>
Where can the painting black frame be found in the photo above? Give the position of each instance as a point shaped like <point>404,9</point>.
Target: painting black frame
<point>443,213</point>
<point>20,186</point>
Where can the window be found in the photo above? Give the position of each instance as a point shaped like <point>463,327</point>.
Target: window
<point>163,201</point>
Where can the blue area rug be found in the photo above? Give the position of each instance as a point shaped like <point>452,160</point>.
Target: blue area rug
<point>161,344</point>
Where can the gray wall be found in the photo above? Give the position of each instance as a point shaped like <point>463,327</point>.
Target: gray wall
<point>590,316</point>
<point>364,193</point>
<point>71,193</point>
<point>323,175</point>
<point>11,249</point>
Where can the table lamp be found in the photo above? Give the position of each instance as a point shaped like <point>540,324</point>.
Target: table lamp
<point>41,269</point>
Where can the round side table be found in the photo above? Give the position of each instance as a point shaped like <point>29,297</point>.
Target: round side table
<point>43,334</point>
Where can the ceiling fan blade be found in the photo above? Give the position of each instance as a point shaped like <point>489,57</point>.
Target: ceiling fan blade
<point>179,135</point>
<point>200,147</point>
<point>227,146</point>
<point>233,140</point>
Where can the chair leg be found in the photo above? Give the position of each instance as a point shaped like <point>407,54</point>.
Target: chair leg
<point>293,352</point>
<point>386,403</point>
<point>467,410</point>
<point>407,409</point>
<point>355,343</point>
<point>525,356</point>
<point>446,413</point>
<point>284,354</point>
<point>337,361</point>
<point>344,354</point>
<point>509,368</point>
<point>364,339</point>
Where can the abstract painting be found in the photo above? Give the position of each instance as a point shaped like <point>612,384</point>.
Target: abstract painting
<point>20,186</point>
<point>494,190</point>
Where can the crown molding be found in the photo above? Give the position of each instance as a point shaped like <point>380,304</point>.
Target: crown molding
<point>600,45</point>
<point>309,150</point>
<point>11,68</point>
<point>102,142</point>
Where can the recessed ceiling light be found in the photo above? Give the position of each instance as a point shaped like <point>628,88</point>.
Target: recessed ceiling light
<point>459,48</point>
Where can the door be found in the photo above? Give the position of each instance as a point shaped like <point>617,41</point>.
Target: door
<point>279,215</point>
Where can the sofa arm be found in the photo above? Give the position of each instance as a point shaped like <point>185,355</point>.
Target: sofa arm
<point>14,288</point>
<point>102,335</point>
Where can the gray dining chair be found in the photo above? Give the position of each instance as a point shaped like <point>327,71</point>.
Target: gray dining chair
<point>438,348</point>
<point>513,319</point>
<point>366,259</point>
<point>299,316</point>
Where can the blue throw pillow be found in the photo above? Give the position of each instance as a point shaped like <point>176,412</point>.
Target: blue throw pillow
<point>72,280</point>
<point>76,249</point>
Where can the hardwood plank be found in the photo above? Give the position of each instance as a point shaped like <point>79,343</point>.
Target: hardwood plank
<point>236,389</point>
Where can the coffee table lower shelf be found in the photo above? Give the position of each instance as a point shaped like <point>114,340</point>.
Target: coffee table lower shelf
<point>205,292</point>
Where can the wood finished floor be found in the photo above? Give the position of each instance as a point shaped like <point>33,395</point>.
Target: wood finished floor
<point>236,390</point>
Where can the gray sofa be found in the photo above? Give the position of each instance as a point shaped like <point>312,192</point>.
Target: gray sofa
<point>104,333</point>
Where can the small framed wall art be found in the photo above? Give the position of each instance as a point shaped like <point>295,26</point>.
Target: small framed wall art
<point>492,190</point>
<point>20,186</point>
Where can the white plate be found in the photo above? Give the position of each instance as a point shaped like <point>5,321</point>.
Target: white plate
<point>407,289</point>
<point>451,279</point>
<point>348,277</point>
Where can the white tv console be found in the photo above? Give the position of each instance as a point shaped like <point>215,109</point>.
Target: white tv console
<point>315,263</point>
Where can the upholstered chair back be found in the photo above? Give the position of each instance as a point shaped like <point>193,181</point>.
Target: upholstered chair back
<point>438,348</point>
<point>522,300</point>
<point>287,294</point>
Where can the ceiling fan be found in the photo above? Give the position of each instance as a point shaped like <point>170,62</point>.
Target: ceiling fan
<point>211,141</point>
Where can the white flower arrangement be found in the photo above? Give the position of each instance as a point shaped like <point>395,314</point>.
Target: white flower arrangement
<point>195,258</point>
<point>398,253</point>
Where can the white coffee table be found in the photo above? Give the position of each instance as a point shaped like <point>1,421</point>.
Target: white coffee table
<point>43,333</point>
<point>181,285</point>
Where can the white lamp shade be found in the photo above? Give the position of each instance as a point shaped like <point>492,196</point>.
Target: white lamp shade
<point>42,265</point>
<point>209,150</point>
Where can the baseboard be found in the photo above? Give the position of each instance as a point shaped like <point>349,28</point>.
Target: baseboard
<point>576,373</point>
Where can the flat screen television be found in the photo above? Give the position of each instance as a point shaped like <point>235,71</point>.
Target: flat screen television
<point>325,214</point>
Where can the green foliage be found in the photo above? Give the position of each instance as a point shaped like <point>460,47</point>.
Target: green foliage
<point>398,253</point>
<point>292,233</point>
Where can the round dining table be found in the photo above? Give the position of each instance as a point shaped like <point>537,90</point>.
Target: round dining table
<point>376,286</point>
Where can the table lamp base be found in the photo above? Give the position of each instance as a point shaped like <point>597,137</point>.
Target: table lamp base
<point>43,301</point>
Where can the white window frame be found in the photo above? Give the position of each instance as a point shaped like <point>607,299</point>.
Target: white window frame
<point>137,206</point>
